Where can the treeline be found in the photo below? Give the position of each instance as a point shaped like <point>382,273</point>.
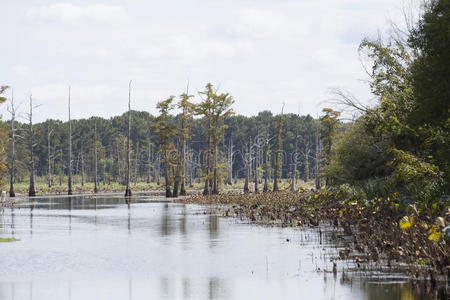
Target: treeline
<point>167,147</point>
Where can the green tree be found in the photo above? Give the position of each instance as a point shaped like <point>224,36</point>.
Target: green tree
<point>187,108</point>
<point>165,130</point>
<point>214,108</point>
<point>431,84</point>
<point>328,125</point>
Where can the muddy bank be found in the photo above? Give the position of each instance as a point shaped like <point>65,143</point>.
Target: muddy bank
<point>373,230</point>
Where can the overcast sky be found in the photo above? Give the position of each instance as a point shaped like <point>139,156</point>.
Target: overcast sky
<point>263,52</point>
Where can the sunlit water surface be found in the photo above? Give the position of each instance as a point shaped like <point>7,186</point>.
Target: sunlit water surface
<point>105,248</point>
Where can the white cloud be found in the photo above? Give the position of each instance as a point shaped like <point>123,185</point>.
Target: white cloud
<point>264,51</point>
<point>68,12</point>
<point>263,23</point>
<point>22,70</point>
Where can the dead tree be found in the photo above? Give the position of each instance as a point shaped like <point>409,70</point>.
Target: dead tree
<point>247,156</point>
<point>95,161</point>
<point>318,161</point>
<point>49,133</point>
<point>69,176</point>
<point>136,164</point>
<point>279,146</point>
<point>149,159</point>
<point>230,153</point>
<point>128,190</point>
<point>12,111</point>
<point>266,162</point>
<point>294,159</point>
<point>29,116</point>
<point>258,143</point>
<point>82,165</point>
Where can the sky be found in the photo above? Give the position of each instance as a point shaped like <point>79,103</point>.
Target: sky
<point>263,52</point>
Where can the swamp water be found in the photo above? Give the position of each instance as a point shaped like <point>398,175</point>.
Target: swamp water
<point>104,248</point>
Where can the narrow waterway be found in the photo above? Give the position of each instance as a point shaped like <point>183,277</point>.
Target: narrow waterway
<point>105,248</point>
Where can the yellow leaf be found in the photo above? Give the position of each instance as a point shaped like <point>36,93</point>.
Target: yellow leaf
<point>405,223</point>
<point>435,236</point>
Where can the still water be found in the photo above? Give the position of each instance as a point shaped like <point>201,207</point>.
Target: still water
<point>106,248</point>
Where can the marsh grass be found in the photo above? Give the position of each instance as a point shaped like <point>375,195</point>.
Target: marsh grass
<point>8,240</point>
<point>41,186</point>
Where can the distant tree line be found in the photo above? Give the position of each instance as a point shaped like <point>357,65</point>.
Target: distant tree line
<point>204,141</point>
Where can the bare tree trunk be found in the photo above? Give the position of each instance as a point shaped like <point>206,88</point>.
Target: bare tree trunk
<point>266,165</point>
<point>215,189</point>
<point>128,190</point>
<point>167,177</point>
<point>49,157</point>
<point>294,166</point>
<point>183,164</point>
<point>119,179</point>
<point>247,161</point>
<point>256,175</point>
<point>318,157</point>
<point>230,163</point>
<point>13,148</point>
<point>306,163</point>
<point>82,167</point>
<point>277,165</point>
<point>177,180</point>
<point>158,170</point>
<point>206,190</point>
<point>69,183</point>
<point>95,161</point>
<point>136,157</point>
<point>149,157</point>
<point>104,172</point>
<point>176,185</point>
<point>31,190</point>
<point>61,169</point>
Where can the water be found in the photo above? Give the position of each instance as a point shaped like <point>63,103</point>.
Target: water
<point>104,248</point>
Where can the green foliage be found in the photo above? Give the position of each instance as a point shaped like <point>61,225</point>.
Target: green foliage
<point>402,144</point>
<point>163,126</point>
<point>416,178</point>
<point>214,109</point>
<point>431,69</point>
<point>358,156</point>
<point>328,125</point>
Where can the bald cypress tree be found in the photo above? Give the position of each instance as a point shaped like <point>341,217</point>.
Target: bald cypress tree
<point>214,108</point>
<point>165,130</point>
<point>183,135</point>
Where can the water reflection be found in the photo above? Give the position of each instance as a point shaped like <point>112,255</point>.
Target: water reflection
<point>111,248</point>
